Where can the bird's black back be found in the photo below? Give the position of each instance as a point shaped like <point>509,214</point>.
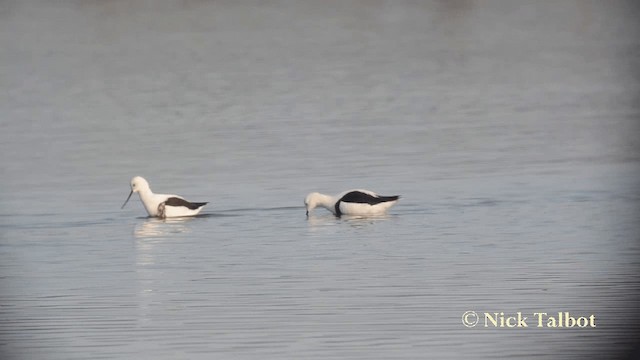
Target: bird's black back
<point>174,201</point>
<point>364,198</point>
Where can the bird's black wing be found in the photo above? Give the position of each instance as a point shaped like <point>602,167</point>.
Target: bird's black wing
<point>364,198</point>
<point>174,201</point>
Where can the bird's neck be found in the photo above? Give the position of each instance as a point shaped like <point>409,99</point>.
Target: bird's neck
<point>326,201</point>
<point>147,201</point>
<point>145,194</point>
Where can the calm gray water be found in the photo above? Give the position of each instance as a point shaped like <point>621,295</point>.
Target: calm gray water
<point>509,128</point>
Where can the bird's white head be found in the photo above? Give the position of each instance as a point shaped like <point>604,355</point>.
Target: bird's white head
<point>311,201</point>
<point>138,183</point>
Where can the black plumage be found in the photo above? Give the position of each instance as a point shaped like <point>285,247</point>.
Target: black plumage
<point>175,201</point>
<point>359,197</point>
<point>364,198</point>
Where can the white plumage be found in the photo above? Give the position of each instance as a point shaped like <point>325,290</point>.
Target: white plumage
<point>162,205</point>
<point>352,202</point>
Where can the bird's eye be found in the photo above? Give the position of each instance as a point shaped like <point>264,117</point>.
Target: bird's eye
<point>133,185</point>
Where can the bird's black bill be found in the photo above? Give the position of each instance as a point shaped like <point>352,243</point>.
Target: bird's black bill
<point>307,214</point>
<point>126,201</point>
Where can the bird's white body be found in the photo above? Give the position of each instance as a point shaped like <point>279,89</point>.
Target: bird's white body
<point>155,204</point>
<point>152,203</point>
<point>377,207</point>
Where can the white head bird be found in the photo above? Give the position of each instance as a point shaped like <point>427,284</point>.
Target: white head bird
<point>162,205</point>
<point>352,202</point>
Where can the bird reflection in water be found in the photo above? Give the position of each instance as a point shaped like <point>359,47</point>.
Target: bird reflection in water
<point>156,228</point>
<point>317,222</point>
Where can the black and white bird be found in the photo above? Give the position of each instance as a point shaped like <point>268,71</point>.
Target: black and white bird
<point>162,205</point>
<point>353,202</point>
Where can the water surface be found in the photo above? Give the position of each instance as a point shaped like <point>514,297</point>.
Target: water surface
<point>509,129</point>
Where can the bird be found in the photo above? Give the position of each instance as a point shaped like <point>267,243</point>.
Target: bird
<point>162,205</point>
<point>352,202</point>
